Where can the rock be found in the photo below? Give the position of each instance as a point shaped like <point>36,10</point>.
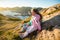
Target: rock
<point>50,24</point>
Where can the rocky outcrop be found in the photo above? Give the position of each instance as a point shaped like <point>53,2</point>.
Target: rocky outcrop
<point>50,29</point>
<point>50,24</point>
<point>49,35</point>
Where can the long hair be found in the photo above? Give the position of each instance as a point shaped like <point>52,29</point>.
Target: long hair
<point>37,12</point>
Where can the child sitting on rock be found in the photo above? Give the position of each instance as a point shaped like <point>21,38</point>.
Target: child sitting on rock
<point>33,25</point>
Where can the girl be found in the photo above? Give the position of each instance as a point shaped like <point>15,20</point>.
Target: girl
<point>33,25</point>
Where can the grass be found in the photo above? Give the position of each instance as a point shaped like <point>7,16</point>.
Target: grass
<point>6,31</point>
<point>16,37</point>
<point>54,11</point>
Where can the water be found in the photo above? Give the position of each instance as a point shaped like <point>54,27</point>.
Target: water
<point>22,17</point>
<point>13,14</point>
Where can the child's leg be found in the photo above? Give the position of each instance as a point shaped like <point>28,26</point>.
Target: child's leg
<point>23,28</point>
<point>24,34</point>
<point>29,30</point>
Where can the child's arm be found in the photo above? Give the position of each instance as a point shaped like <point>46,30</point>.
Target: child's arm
<point>29,23</point>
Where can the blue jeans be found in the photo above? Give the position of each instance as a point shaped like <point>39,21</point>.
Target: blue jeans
<point>24,26</point>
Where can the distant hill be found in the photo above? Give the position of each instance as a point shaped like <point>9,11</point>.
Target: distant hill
<point>7,18</point>
<point>46,11</point>
<point>21,10</point>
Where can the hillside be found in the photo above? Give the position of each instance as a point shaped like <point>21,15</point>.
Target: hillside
<point>50,26</point>
<point>7,27</point>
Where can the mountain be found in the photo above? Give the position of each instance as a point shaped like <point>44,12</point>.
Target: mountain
<point>22,10</point>
<point>46,11</point>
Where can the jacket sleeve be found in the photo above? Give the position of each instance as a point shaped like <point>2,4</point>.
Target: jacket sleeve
<point>38,25</point>
<point>37,22</point>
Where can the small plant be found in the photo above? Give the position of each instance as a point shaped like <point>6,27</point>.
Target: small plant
<point>14,19</point>
<point>9,33</point>
<point>1,32</point>
<point>16,37</point>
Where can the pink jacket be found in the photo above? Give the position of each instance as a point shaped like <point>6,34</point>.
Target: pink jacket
<point>36,22</point>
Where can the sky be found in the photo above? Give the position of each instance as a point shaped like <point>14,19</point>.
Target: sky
<point>28,3</point>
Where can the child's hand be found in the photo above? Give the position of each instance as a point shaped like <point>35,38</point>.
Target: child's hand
<point>27,24</point>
